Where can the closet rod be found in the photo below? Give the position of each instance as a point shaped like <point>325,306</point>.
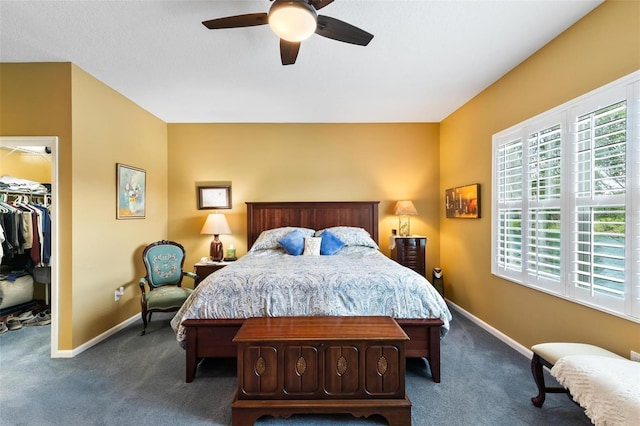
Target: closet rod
<point>40,197</point>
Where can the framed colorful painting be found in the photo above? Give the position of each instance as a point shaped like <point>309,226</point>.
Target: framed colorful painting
<point>131,192</point>
<point>463,202</point>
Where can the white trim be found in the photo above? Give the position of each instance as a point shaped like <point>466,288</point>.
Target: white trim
<point>113,330</point>
<point>493,331</point>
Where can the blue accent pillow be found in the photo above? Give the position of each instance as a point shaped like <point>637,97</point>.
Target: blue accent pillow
<point>330,243</point>
<point>293,242</point>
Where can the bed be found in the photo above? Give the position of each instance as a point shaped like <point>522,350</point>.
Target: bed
<point>329,285</point>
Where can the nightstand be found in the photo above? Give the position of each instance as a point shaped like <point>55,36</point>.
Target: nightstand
<point>203,270</point>
<point>410,252</point>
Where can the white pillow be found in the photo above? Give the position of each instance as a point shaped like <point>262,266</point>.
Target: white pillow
<point>270,238</point>
<point>351,236</point>
<point>312,246</point>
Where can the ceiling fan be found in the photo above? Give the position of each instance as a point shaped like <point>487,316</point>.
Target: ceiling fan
<point>294,21</point>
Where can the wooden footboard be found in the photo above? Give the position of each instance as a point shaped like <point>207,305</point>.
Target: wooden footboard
<point>424,335</point>
<point>213,339</point>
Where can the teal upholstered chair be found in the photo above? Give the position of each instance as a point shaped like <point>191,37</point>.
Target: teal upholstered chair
<point>164,261</point>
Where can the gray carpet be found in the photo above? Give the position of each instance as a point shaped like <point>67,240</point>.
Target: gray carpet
<point>133,380</point>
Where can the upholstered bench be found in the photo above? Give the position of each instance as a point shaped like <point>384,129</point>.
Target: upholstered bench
<point>547,354</point>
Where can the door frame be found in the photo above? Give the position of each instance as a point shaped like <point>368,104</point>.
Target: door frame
<point>51,141</point>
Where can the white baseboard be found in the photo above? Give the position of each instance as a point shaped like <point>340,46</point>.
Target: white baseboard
<point>494,331</point>
<point>72,353</point>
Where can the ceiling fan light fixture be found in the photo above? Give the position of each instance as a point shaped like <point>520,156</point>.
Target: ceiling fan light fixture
<point>293,20</point>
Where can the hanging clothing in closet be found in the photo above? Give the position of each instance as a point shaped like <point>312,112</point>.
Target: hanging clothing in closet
<point>24,220</point>
<point>25,238</point>
<point>27,228</point>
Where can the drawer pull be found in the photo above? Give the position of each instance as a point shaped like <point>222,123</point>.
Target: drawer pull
<point>301,366</point>
<point>260,366</point>
<point>341,366</point>
<point>383,365</point>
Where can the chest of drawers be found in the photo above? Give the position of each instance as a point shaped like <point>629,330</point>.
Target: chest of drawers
<point>410,252</point>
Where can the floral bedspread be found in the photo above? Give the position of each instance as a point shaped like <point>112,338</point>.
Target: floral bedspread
<point>356,281</point>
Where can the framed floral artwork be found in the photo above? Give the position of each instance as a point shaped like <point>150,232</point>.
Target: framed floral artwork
<point>131,192</point>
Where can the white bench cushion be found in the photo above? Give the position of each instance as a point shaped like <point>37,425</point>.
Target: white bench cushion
<point>553,351</point>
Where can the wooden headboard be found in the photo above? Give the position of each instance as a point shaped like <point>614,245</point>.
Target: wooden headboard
<point>310,214</point>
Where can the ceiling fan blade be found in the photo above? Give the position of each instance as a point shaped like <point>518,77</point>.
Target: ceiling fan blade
<point>238,21</point>
<point>338,30</point>
<point>289,51</point>
<point>319,4</point>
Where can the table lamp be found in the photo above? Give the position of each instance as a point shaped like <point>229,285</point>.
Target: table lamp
<point>216,225</point>
<point>404,209</point>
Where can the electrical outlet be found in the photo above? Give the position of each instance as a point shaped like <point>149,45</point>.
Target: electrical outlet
<point>635,356</point>
<point>119,292</point>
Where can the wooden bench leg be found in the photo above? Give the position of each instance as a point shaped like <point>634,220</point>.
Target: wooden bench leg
<point>537,362</point>
<point>538,377</point>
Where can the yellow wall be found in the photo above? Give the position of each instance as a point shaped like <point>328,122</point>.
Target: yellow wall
<point>97,127</point>
<point>564,69</point>
<point>34,167</point>
<point>35,100</point>
<point>303,162</point>
<point>107,253</point>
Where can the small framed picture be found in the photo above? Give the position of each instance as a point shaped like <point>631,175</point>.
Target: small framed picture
<point>214,197</point>
<point>131,192</point>
<point>463,202</point>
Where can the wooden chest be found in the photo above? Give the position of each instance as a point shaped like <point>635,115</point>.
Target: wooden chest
<point>321,364</point>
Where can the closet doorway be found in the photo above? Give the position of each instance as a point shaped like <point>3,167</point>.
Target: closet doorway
<point>9,145</point>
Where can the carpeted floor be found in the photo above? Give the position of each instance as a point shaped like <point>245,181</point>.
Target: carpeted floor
<point>134,380</point>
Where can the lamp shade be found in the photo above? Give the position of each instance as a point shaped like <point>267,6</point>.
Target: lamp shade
<point>405,208</point>
<point>216,224</point>
<point>292,20</point>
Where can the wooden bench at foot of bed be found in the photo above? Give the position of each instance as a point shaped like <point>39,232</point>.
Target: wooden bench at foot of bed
<point>213,338</point>
<point>548,354</point>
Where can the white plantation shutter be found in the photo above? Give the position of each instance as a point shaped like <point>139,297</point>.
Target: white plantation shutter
<point>510,171</point>
<point>543,245</point>
<point>544,179</point>
<point>510,240</point>
<point>544,164</point>
<point>509,159</point>
<point>600,175</point>
<point>566,217</point>
<point>601,138</point>
<point>599,251</point>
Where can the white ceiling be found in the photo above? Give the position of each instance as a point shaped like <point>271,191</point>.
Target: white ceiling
<point>427,57</point>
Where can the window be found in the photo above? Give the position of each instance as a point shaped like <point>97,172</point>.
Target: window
<point>566,200</point>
